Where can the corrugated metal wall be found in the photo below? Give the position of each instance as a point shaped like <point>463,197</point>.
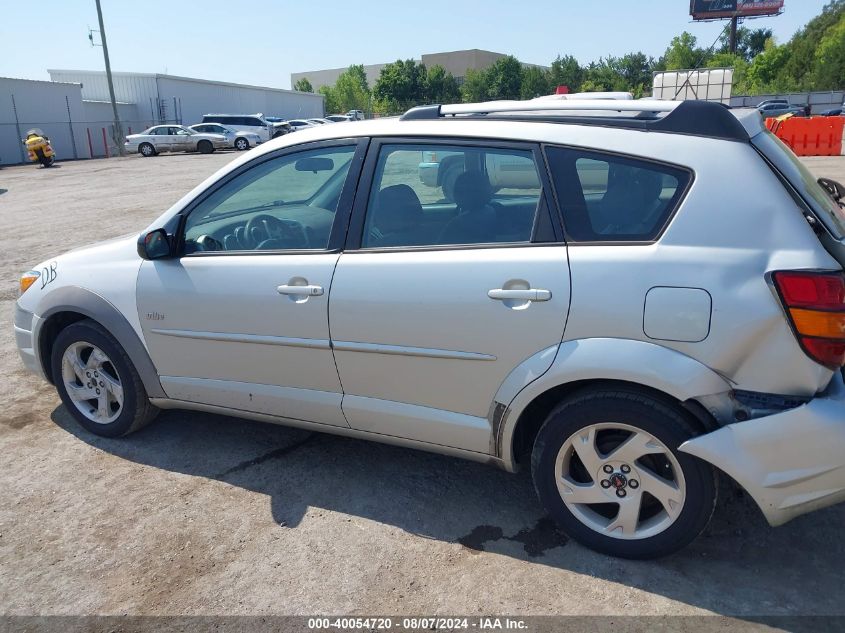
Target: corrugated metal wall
<point>77,128</point>
<point>154,96</point>
<point>42,104</point>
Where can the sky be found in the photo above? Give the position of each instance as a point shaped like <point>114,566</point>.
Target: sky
<point>265,42</point>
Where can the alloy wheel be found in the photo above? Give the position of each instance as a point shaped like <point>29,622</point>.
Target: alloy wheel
<point>92,382</point>
<point>620,481</point>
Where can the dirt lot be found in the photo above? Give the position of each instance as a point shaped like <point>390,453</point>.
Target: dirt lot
<point>200,514</point>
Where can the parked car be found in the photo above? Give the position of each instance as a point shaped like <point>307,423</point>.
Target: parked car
<point>834,111</point>
<point>255,123</point>
<point>338,118</point>
<point>300,124</point>
<point>355,115</point>
<point>623,328</point>
<point>320,121</point>
<point>173,138</point>
<point>238,140</point>
<point>782,102</point>
<point>280,126</point>
<point>773,110</point>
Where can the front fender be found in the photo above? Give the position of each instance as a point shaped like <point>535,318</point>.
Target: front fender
<point>637,362</point>
<point>93,306</point>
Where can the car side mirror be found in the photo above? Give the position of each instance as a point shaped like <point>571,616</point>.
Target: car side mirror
<point>154,245</point>
<point>834,188</point>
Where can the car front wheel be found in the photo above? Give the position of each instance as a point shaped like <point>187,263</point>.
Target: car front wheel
<point>97,382</point>
<point>241,144</point>
<point>606,466</point>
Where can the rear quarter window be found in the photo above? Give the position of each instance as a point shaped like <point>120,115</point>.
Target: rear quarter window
<point>609,198</point>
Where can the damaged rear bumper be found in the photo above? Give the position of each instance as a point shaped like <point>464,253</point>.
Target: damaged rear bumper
<point>791,463</point>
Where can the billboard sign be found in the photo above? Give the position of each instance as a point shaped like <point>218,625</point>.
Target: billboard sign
<point>715,9</point>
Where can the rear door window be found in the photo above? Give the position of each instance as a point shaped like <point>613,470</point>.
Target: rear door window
<point>446,195</point>
<point>609,198</point>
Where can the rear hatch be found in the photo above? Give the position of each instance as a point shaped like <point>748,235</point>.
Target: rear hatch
<point>826,214</point>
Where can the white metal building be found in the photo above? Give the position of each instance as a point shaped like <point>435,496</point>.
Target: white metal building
<point>56,108</point>
<point>168,98</point>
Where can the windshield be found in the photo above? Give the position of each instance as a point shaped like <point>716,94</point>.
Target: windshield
<point>790,166</point>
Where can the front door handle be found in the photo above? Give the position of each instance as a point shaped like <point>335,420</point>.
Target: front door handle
<point>530,294</point>
<point>301,291</point>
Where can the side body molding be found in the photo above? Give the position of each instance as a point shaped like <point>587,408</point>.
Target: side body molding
<point>638,362</point>
<point>74,299</point>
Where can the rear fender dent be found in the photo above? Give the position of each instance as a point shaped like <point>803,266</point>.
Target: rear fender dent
<point>623,360</point>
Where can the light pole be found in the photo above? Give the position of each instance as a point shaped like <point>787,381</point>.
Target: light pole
<point>118,130</point>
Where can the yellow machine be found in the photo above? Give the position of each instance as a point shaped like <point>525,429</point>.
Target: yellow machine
<point>39,148</point>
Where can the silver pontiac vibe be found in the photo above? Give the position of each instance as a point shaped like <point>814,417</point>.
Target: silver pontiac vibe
<point>627,297</point>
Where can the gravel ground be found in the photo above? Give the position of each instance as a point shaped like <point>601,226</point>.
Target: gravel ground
<point>200,514</point>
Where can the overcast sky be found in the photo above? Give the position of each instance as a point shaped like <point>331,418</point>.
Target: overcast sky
<point>262,43</point>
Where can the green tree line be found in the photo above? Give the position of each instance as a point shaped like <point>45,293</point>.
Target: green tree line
<point>813,59</point>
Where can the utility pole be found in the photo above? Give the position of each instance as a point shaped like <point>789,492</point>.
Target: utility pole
<point>118,130</point>
<point>732,41</point>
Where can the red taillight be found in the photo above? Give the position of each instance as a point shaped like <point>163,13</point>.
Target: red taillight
<point>815,303</point>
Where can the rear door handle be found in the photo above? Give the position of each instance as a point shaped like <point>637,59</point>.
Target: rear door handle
<point>531,294</point>
<point>301,291</point>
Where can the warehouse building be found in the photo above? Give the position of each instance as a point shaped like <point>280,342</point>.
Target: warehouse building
<point>456,62</point>
<point>75,111</point>
<point>168,98</point>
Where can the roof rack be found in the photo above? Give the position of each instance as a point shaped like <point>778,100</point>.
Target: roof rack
<point>698,118</point>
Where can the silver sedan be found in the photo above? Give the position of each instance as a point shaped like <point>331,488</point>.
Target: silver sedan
<point>237,139</point>
<point>173,138</point>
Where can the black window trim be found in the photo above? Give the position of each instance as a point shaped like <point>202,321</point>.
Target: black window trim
<point>367,176</point>
<point>681,197</point>
<point>343,213</point>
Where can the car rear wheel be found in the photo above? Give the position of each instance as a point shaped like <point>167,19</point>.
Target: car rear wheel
<point>241,144</point>
<point>147,150</point>
<point>97,382</point>
<point>606,466</point>
<point>205,147</point>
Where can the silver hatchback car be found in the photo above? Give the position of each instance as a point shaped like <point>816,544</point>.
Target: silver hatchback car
<point>631,322</point>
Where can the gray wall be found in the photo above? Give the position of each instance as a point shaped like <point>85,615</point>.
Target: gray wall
<point>154,95</point>
<point>40,104</point>
<point>328,77</point>
<point>60,112</point>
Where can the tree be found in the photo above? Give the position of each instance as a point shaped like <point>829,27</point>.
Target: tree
<point>766,72</point>
<point>475,86</point>
<point>683,53</point>
<point>566,71</point>
<point>357,72</point>
<point>303,85</point>
<point>401,85</point>
<point>829,73</point>
<point>535,83</point>
<point>604,76</point>
<point>637,71</point>
<point>441,86</point>
<point>749,42</point>
<point>504,78</point>
<point>349,92</point>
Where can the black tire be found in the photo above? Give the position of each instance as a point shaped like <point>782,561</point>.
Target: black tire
<point>205,147</point>
<point>146,150</point>
<point>137,410</point>
<point>241,144</point>
<point>660,418</point>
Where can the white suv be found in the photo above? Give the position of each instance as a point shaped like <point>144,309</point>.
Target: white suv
<point>665,304</point>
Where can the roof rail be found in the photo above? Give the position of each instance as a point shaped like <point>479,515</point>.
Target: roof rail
<point>698,118</point>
